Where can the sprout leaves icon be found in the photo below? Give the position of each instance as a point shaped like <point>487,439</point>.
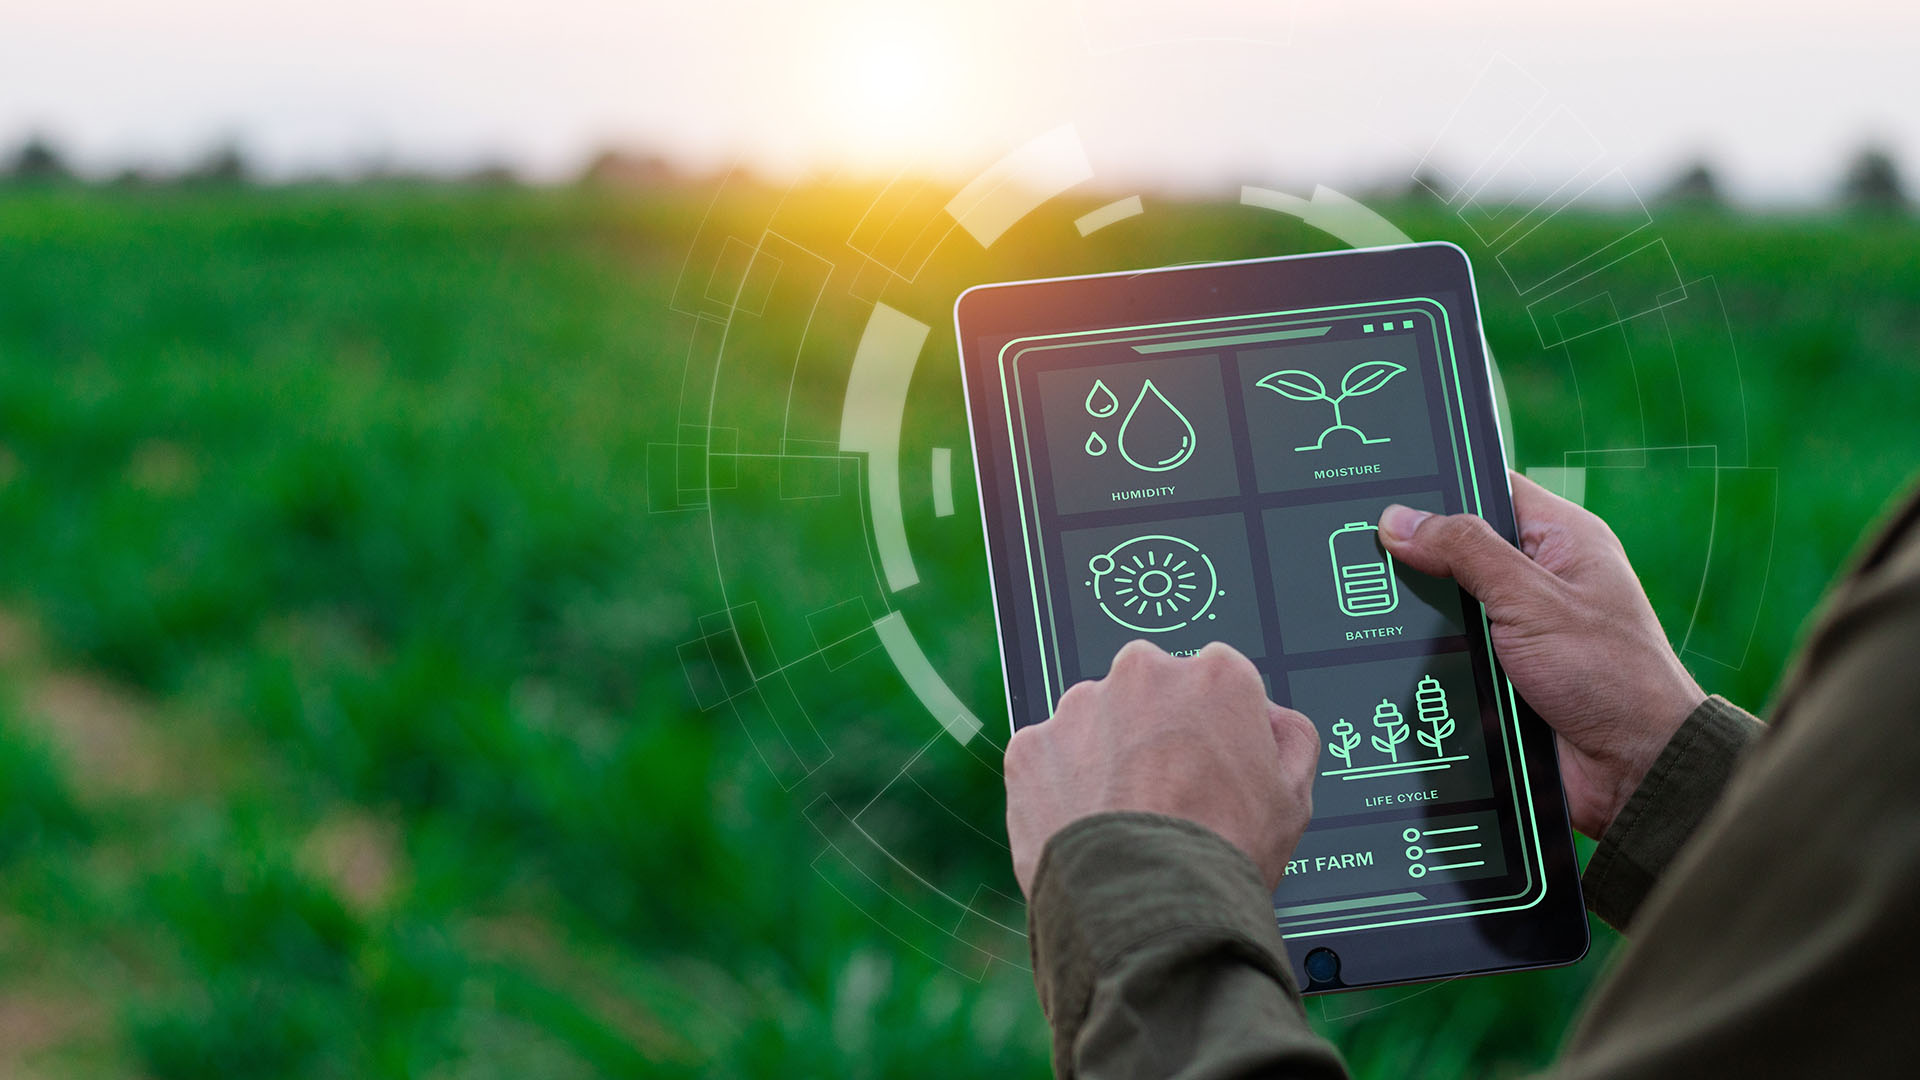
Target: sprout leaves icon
<point>1361,379</point>
<point>1366,378</point>
<point>1296,384</point>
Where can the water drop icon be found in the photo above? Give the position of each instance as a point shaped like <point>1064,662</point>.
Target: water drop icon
<point>1095,444</point>
<point>1100,402</point>
<point>1155,436</point>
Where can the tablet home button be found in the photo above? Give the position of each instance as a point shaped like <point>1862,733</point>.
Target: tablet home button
<point>1323,965</point>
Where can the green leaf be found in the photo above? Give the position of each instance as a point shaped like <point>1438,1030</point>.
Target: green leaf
<point>1368,377</point>
<point>1298,385</point>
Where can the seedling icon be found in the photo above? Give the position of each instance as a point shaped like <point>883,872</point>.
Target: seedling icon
<point>1345,738</point>
<point>1360,379</point>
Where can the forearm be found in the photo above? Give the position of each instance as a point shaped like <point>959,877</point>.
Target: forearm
<point>1156,954</point>
<point>1682,787</point>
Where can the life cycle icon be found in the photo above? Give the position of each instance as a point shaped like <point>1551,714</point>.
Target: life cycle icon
<point>1154,436</point>
<point>1432,725</point>
<point>1398,733</point>
<point>1155,584</point>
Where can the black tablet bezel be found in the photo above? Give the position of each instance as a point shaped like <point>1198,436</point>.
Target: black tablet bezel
<point>1552,929</point>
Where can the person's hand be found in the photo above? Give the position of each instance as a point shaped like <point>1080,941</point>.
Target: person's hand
<point>1191,737</point>
<point>1574,631</point>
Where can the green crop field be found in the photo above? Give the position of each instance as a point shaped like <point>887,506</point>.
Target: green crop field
<point>433,642</point>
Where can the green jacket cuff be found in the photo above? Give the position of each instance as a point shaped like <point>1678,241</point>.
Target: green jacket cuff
<point>1679,790</point>
<point>1109,884</point>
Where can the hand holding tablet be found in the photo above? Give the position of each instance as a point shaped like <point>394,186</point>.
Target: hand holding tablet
<point>1574,631</point>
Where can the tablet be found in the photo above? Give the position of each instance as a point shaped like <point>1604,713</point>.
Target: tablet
<point>1200,453</point>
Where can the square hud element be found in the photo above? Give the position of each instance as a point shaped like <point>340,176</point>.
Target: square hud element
<point>1327,412</point>
<point>1336,586</point>
<point>1179,584</point>
<point>1395,734</point>
<point>1137,433</point>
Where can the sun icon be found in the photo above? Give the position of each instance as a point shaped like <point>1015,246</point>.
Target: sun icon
<point>1154,584</point>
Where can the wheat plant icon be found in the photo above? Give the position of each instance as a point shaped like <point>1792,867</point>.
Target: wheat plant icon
<point>1393,729</point>
<point>1361,378</point>
<point>1431,698</point>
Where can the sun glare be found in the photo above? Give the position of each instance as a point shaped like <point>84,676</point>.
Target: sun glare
<point>890,92</point>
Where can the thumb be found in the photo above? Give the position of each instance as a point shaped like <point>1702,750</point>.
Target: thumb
<point>1298,742</point>
<point>1463,547</point>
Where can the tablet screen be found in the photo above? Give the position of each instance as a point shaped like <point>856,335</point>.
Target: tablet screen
<point>1186,480</point>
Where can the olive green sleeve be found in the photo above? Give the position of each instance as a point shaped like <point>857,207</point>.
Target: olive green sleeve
<point>1156,954</point>
<point>1682,786</point>
<point>1783,938</point>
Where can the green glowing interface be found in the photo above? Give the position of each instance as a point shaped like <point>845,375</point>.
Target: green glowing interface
<point>1220,480</point>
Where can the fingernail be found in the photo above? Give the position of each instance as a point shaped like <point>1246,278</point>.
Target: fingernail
<point>1399,521</point>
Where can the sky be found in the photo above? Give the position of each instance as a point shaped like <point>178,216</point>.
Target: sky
<point>1196,94</point>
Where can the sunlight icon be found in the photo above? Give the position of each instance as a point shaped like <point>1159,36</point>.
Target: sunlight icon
<point>1154,584</point>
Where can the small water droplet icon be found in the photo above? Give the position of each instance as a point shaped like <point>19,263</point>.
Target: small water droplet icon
<point>1100,401</point>
<point>1095,444</point>
<point>1155,436</point>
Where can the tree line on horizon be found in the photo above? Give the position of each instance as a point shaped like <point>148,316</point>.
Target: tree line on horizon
<point>1870,181</point>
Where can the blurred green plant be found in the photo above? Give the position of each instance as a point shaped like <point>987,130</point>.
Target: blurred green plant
<point>348,483</point>
<point>38,813</point>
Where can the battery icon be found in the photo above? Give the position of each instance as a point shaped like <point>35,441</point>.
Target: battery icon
<point>1363,580</point>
